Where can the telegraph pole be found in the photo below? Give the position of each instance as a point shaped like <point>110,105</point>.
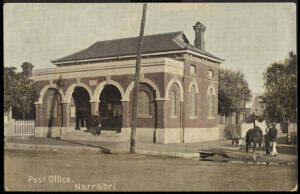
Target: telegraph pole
<point>137,81</point>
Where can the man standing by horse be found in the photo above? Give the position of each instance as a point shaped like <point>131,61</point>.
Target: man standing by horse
<point>271,136</point>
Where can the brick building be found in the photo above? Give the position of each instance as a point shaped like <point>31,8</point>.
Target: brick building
<point>178,91</point>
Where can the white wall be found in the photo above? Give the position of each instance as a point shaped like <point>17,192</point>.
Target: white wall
<point>44,131</point>
<point>201,134</point>
<point>292,127</point>
<point>9,127</point>
<point>142,134</point>
<point>168,135</point>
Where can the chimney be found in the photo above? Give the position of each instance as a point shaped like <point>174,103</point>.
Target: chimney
<point>27,68</point>
<point>199,36</point>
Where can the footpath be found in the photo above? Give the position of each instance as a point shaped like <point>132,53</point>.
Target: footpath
<point>217,150</point>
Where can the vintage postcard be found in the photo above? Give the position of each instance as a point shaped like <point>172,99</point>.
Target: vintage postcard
<point>150,97</point>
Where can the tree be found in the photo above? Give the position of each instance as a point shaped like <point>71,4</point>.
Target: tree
<point>253,117</point>
<point>280,84</point>
<point>233,91</point>
<point>19,92</point>
<point>10,83</point>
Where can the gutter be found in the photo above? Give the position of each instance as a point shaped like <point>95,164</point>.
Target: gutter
<point>149,54</point>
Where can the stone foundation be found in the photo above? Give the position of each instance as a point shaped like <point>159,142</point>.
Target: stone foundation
<point>142,134</point>
<point>8,128</point>
<point>201,134</point>
<point>168,135</point>
<point>47,131</point>
<point>150,135</point>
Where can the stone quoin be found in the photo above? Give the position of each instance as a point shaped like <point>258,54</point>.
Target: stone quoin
<point>177,101</point>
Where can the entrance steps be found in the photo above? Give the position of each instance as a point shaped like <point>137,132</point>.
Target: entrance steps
<point>84,135</point>
<point>109,133</point>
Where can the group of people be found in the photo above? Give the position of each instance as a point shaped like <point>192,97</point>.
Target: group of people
<point>255,136</point>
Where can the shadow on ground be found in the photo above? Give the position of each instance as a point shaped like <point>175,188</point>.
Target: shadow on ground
<point>287,149</point>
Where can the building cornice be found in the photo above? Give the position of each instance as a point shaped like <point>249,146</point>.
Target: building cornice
<point>152,65</point>
<point>146,54</point>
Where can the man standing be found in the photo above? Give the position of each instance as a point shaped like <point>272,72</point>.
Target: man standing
<point>271,136</point>
<point>78,116</point>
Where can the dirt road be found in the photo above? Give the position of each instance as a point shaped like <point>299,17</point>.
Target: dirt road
<point>63,171</point>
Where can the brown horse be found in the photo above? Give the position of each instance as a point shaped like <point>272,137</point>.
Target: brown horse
<point>254,136</point>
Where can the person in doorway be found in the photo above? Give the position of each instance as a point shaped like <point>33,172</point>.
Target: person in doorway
<point>77,113</point>
<point>271,137</point>
<point>110,116</point>
<point>82,118</point>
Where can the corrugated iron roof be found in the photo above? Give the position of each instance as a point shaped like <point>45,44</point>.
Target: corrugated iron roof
<point>128,46</point>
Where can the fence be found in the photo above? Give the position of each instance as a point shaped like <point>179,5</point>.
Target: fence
<point>23,128</point>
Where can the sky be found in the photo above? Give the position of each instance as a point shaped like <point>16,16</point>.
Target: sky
<point>249,36</point>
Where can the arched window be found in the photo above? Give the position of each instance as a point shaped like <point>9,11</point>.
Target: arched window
<point>192,101</point>
<point>52,103</point>
<point>211,103</point>
<point>143,103</point>
<point>173,103</point>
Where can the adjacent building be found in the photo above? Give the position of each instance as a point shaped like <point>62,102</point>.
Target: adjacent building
<point>177,100</point>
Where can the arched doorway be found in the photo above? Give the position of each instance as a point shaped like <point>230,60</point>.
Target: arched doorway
<point>110,109</point>
<point>80,108</point>
<point>53,108</point>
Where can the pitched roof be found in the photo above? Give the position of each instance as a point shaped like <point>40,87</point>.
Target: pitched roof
<point>128,46</point>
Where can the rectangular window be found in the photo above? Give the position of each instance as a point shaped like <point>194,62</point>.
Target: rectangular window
<point>193,70</point>
<point>210,74</point>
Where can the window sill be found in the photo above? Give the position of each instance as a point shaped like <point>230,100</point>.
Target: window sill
<point>193,117</point>
<point>173,117</point>
<point>210,118</point>
<point>144,116</point>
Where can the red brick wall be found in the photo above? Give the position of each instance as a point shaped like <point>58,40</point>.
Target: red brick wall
<point>203,82</point>
<point>65,83</point>
<point>159,80</point>
<point>38,115</point>
<point>160,109</point>
<point>123,80</point>
<point>39,86</point>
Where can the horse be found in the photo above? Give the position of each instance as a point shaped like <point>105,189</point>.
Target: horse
<point>255,136</point>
